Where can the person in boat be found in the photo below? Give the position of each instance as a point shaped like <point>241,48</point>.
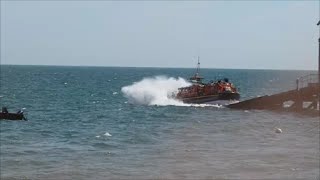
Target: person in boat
<point>20,112</point>
<point>4,110</point>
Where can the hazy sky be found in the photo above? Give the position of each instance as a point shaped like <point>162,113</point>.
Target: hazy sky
<point>234,34</point>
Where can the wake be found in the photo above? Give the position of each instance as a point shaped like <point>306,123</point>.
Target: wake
<point>158,91</point>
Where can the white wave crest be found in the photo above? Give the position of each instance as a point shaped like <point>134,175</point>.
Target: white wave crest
<point>107,134</point>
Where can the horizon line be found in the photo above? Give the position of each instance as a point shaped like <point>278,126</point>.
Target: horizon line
<point>115,66</point>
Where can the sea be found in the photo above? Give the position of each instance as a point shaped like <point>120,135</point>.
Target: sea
<point>122,123</point>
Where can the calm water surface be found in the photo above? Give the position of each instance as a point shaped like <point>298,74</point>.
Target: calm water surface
<point>82,126</point>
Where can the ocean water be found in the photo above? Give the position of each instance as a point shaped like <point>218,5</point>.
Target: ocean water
<point>118,123</point>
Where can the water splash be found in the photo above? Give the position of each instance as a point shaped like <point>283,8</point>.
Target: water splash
<point>155,91</point>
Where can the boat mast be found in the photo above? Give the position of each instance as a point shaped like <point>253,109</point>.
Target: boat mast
<point>197,78</point>
<point>198,66</point>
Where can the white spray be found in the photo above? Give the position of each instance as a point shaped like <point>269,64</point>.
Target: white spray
<point>155,91</point>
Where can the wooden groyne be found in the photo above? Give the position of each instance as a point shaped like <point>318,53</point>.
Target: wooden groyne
<point>307,92</point>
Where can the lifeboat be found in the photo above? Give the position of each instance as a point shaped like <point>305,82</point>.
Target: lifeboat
<point>200,92</point>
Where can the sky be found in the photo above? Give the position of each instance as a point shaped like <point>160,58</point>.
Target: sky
<point>224,34</point>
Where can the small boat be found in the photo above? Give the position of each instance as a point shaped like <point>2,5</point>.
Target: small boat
<point>5,115</point>
<point>200,92</point>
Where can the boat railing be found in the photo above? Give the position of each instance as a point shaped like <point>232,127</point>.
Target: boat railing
<point>308,80</point>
